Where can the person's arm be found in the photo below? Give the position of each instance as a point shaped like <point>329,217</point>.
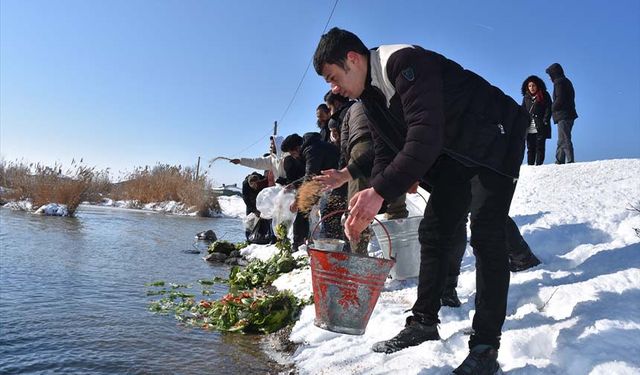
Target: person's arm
<point>313,161</point>
<point>262,163</point>
<point>361,159</point>
<point>559,93</point>
<point>547,109</point>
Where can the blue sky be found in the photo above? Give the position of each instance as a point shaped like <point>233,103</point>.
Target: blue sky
<point>132,83</point>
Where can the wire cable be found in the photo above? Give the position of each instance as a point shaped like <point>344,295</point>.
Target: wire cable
<point>295,93</point>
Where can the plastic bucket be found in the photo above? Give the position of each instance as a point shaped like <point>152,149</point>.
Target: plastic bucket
<point>403,233</point>
<point>346,287</point>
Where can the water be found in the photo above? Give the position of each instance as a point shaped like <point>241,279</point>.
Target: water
<point>73,300</point>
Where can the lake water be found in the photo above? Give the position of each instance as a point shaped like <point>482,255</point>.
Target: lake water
<point>73,299</point>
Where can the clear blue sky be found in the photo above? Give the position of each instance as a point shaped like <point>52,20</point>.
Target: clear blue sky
<point>132,83</point>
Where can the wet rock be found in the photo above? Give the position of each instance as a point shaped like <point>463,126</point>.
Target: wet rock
<point>215,257</point>
<point>235,254</point>
<point>207,235</point>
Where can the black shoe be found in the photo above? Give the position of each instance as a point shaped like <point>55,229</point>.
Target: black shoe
<point>521,262</point>
<point>450,298</point>
<point>414,333</point>
<point>482,360</point>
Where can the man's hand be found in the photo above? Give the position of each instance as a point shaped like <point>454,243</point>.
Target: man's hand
<point>333,178</point>
<point>234,161</point>
<point>363,207</point>
<point>414,188</point>
<point>293,207</point>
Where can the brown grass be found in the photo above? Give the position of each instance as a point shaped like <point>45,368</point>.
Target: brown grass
<point>165,182</point>
<point>43,184</point>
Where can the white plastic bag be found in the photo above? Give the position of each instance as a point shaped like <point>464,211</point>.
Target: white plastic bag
<point>282,213</point>
<point>265,202</point>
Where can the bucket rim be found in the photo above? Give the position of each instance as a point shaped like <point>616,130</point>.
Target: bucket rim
<point>334,213</point>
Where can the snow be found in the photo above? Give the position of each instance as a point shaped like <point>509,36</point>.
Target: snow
<point>577,313</point>
<point>232,206</point>
<point>52,209</point>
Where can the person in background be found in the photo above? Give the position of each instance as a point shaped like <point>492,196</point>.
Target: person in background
<point>323,114</point>
<point>537,102</point>
<point>432,120</point>
<point>356,147</point>
<point>272,162</point>
<point>251,186</point>
<point>294,168</point>
<point>564,112</point>
<point>338,107</point>
<point>318,155</point>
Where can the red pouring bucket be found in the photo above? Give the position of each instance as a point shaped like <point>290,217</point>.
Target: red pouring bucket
<point>346,286</point>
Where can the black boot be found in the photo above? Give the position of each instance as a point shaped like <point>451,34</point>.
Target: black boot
<point>414,333</point>
<point>522,260</point>
<point>449,296</point>
<point>482,360</point>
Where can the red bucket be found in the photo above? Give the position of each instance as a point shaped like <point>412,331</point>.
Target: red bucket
<point>346,286</point>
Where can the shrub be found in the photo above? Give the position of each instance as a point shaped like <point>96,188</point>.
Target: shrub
<point>165,182</point>
<point>44,184</point>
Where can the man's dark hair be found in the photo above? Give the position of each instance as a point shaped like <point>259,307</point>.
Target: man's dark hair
<point>333,48</point>
<point>292,141</point>
<point>331,98</point>
<point>323,107</point>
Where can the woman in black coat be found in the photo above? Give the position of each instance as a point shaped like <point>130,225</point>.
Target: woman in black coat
<point>537,101</point>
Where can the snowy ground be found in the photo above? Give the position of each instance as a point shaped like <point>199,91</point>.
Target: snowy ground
<point>577,313</point>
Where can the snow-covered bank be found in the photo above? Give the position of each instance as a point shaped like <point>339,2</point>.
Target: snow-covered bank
<point>577,313</point>
<point>232,206</point>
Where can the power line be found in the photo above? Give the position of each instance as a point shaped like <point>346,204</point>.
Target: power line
<point>304,75</point>
<point>295,93</point>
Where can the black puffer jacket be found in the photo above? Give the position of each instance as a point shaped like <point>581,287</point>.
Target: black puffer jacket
<point>564,105</point>
<point>317,154</point>
<point>540,112</point>
<point>429,106</point>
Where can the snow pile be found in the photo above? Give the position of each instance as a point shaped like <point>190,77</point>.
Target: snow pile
<point>52,209</point>
<point>577,313</point>
<point>19,205</point>
<point>232,206</point>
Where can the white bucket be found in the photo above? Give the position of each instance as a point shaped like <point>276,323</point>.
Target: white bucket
<point>403,234</point>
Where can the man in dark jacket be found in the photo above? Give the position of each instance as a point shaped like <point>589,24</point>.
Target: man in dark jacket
<point>564,112</point>
<point>433,121</point>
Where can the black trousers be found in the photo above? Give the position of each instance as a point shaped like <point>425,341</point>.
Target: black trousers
<point>535,149</point>
<point>456,191</point>
<point>514,241</point>
<point>300,230</point>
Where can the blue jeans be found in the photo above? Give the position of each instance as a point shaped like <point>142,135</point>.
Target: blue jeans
<point>564,152</point>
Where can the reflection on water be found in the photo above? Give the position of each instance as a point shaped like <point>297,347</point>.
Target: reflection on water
<point>73,300</point>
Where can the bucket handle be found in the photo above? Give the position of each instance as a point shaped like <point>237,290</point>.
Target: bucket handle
<point>334,213</point>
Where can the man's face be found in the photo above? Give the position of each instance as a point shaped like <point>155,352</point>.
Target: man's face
<point>349,81</point>
<point>323,116</point>
<point>295,152</point>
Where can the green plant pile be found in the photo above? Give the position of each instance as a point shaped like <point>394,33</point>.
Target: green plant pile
<point>260,273</point>
<point>225,247</point>
<point>247,311</point>
<point>282,243</point>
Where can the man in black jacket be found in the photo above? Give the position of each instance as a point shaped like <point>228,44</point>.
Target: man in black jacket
<point>564,112</point>
<point>433,121</point>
